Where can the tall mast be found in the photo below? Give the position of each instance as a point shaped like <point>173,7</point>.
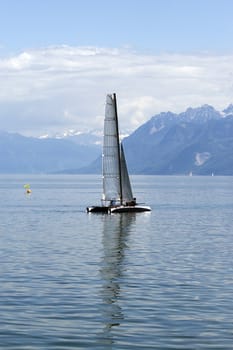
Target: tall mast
<point>118,146</point>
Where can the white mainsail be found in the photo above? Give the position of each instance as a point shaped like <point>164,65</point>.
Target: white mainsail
<point>110,161</point>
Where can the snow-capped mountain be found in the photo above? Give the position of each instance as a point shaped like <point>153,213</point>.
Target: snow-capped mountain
<point>87,138</point>
<point>20,154</point>
<point>197,141</point>
<point>93,137</point>
<point>200,114</point>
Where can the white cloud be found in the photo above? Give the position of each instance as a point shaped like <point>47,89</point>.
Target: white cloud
<point>57,88</point>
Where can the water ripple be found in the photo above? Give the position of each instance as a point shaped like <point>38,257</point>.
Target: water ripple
<point>70,280</point>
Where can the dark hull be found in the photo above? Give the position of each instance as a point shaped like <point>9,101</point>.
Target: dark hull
<point>118,209</point>
<point>129,209</point>
<point>98,209</point>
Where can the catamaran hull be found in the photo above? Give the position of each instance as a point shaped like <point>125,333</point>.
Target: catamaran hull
<point>98,209</point>
<point>129,209</point>
<point>118,209</point>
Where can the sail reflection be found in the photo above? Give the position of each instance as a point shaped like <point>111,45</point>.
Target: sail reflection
<point>116,230</point>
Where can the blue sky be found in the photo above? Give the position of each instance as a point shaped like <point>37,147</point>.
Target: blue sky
<point>153,25</point>
<point>157,55</point>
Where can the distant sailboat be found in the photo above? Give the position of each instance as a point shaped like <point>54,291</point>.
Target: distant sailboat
<point>117,192</point>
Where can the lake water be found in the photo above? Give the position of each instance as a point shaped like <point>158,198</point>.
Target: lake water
<point>158,280</point>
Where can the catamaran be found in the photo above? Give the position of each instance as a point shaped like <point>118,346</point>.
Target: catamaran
<point>117,194</point>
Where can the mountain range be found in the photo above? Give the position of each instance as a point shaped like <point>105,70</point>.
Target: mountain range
<point>20,154</point>
<point>197,141</point>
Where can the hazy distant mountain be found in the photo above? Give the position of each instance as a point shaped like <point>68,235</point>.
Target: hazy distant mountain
<point>199,140</point>
<point>19,154</point>
<point>90,138</point>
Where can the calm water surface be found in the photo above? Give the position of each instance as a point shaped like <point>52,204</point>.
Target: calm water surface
<point>159,280</point>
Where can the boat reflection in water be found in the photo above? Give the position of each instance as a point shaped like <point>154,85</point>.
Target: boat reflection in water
<point>116,230</point>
